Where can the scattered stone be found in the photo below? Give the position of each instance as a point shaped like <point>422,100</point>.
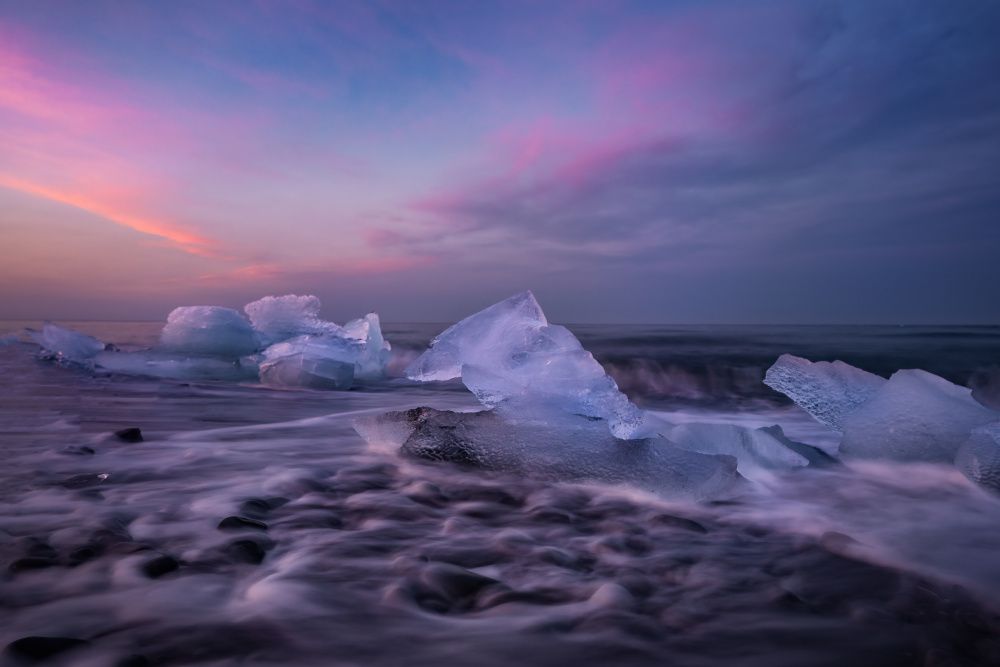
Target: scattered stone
<point>241,523</point>
<point>678,522</point>
<point>79,451</point>
<point>453,582</point>
<point>246,551</point>
<point>84,481</point>
<point>32,563</point>
<point>131,435</point>
<point>134,660</point>
<point>160,566</point>
<point>42,550</point>
<point>35,649</point>
<point>82,555</point>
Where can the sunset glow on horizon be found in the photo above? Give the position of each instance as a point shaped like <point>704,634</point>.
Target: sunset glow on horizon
<point>635,161</point>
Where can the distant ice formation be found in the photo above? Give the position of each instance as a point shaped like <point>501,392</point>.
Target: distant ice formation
<point>912,416</point>
<point>65,344</point>
<point>284,344</point>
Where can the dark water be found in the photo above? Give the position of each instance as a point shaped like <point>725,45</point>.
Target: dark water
<point>364,557</point>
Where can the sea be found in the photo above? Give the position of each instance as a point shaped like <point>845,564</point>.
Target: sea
<point>254,526</point>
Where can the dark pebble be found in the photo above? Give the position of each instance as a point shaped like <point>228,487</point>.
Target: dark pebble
<point>160,566</point>
<point>82,555</point>
<point>134,660</point>
<point>241,523</point>
<point>31,563</point>
<point>678,522</point>
<point>453,582</point>
<point>79,451</point>
<point>34,649</point>
<point>105,537</point>
<point>246,551</point>
<point>42,550</point>
<point>125,548</point>
<point>129,435</point>
<point>83,481</point>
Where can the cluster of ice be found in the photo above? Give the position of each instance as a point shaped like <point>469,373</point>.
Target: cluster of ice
<point>513,360</point>
<point>912,416</point>
<point>553,412</point>
<point>284,344</point>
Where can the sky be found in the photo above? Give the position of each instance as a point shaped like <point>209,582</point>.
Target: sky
<point>675,161</point>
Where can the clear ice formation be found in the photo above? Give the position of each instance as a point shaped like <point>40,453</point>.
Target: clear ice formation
<point>756,450</point>
<point>912,416</point>
<point>566,447</point>
<point>65,344</point>
<point>208,330</point>
<point>513,360</point>
<point>829,391</point>
<point>310,361</point>
<point>278,318</point>
<point>284,344</point>
<point>915,416</point>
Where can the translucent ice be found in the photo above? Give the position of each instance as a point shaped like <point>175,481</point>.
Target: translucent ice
<point>915,416</point>
<point>374,352</point>
<point>512,359</point>
<point>278,318</point>
<point>208,330</point>
<point>568,447</point>
<point>829,391</point>
<point>311,361</point>
<point>979,457</point>
<point>65,344</point>
<point>755,449</point>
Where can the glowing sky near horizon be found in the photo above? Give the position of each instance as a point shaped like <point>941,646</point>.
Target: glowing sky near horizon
<point>668,161</point>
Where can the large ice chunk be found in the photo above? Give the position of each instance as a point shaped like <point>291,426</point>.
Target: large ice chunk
<point>278,318</point>
<point>755,449</point>
<point>915,416</point>
<point>979,457</point>
<point>311,361</point>
<point>65,344</point>
<point>566,447</point>
<point>208,330</point>
<point>512,359</point>
<point>829,391</point>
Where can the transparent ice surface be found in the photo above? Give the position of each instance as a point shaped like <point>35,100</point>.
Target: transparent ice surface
<point>829,391</point>
<point>512,359</point>
<point>311,361</point>
<point>65,344</point>
<point>755,449</point>
<point>278,318</point>
<point>375,351</point>
<point>565,447</point>
<point>915,416</point>
<point>979,457</point>
<point>208,330</point>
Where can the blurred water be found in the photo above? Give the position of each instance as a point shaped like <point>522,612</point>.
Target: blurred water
<point>365,558</point>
